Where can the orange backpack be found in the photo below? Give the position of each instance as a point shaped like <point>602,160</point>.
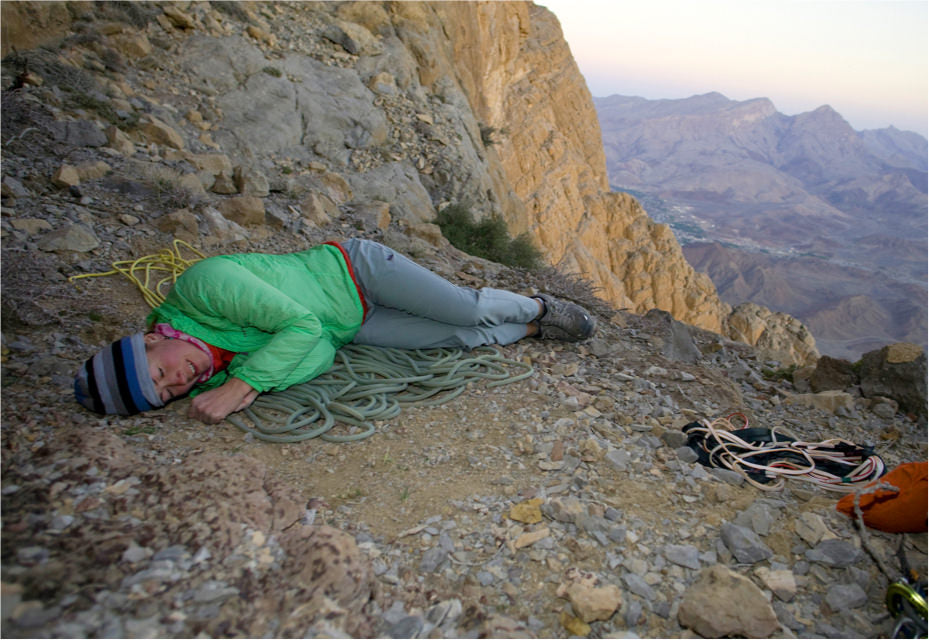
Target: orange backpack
<point>892,511</point>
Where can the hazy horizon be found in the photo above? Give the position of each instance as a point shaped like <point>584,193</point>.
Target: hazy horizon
<point>628,95</point>
<point>867,60</point>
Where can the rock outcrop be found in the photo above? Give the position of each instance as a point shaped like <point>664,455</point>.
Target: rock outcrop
<point>777,335</point>
<point>554,163</point>
<point>898,372</point>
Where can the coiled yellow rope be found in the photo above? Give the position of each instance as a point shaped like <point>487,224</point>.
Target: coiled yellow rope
<point>148,272</point>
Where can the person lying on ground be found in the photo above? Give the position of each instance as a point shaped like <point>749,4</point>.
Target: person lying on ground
<point>235,326</point>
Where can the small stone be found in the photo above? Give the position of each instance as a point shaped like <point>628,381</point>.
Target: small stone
<point>432,559</point>
<point>619,458</point>
<point>810,527</point>
<point>244,210</point>
<point>261,35</point>
<point>173,553</point>
<point>224,185</point>
<point>834,553</point>
<point>383,83</point>
<point>674,438</point>
<point>72,237</point>
<point>11,595</point>
<point>530,538</point>
<point>250,182</point>
<point>594,603</point>
<point>634,614</point>
<point>574,626</point>
<point>132,45</point>
<point>32,555</point>
<point>31,226</point>
<point>181,223</point>
<point>728,476</point>
<point>759,517</point>
<point>13,188</point>
<point>66,176</point>
<point>31,613</point>
<point>160,133</point>
<point>637,585</point>
<point>744,543</point>
<point>528,511</point>
<point>118,140</point>
<point>445,612</point>
<point>564,509</point>
<point>318,209</point>
<point>61,522</point>
<point>213,591</point>
<point>135,553</point>
<point>781,582</point>
<point>684,555</point>
<point>841,597</point>
<point>408,627</point>
<point>178,18</point>
<point>93,170</point>
<point>486,578</point>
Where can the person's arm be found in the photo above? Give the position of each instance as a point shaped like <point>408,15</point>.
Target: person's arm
<point>213,406</point>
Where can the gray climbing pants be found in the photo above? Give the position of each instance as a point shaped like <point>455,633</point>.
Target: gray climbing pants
<point>410,307</point>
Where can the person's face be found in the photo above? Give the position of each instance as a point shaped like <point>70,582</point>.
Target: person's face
<point>175,365</point>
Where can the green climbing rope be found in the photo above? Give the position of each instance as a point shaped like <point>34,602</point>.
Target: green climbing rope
<point>369,384</point>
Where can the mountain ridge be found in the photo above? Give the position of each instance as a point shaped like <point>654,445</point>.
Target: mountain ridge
<point>761,182</point>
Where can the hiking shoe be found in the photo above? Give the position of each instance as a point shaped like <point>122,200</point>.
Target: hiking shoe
<point>564,320</point>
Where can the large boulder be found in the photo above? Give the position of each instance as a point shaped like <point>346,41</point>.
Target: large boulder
<point>897,371</point>
<point>723,603</point>
<point>832,374</point>
<point>776,335</point>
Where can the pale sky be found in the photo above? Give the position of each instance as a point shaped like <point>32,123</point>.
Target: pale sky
<point>867,59</point>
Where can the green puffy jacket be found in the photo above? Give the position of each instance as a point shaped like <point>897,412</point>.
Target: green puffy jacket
<point>285,315</point>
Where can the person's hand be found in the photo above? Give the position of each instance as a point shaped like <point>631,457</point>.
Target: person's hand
<point>214,405</point>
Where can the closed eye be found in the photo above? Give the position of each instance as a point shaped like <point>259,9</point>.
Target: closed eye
<point>167,392</point>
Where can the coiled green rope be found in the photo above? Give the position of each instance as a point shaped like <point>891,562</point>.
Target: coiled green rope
<point>367,384</point>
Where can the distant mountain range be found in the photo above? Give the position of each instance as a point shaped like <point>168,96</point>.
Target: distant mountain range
<point>800,213</point>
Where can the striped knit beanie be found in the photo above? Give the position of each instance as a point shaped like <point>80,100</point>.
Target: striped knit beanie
<point>117,379</point>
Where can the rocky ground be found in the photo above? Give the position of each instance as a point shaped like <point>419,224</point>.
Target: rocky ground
<point>564,504</point>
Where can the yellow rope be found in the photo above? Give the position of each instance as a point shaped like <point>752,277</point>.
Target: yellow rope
<point>151,281</point>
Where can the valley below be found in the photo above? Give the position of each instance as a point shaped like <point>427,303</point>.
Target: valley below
<point>800,214</point>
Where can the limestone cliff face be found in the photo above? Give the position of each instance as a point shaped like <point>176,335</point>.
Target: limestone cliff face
<point>518,73</point>
<point>514,65</point>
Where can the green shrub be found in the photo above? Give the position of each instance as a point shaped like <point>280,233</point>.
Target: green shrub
<point>487,238</point>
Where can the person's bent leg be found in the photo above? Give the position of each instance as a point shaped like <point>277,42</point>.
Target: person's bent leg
<point>385,327</point>
<point>390,279</point>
